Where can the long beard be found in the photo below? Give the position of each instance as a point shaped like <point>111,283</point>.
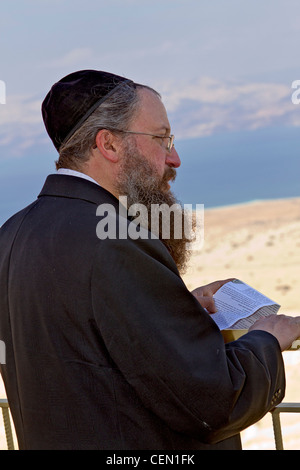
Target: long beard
<point>141,184</point>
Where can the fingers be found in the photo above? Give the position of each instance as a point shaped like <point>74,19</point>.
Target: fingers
<point>212,287</point>
<point>285,328</point>
<point>204,294</point>
<point>206,302</point>
<point>209,304</point>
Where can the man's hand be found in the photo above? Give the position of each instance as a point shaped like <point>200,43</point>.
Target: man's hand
<point>286,329</point>
<point>204,294</point>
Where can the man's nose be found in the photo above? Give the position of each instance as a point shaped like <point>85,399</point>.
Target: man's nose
<point>173,159</point>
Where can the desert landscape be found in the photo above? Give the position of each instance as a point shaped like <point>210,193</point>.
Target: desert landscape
<point>259,243</point>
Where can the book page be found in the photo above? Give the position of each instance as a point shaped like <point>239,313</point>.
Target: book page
<point>237,301</point>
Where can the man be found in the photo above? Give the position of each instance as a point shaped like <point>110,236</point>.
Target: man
<point>105,346</point>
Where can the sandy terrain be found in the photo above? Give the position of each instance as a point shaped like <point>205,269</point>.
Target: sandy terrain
<point>258,243</point>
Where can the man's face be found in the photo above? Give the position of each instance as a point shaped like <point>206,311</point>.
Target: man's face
<point>145,180</point>
<point>151,118</point>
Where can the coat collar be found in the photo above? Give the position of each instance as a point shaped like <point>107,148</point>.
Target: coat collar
<point>76,188</point>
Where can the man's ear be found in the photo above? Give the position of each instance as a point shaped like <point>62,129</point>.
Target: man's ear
<point>108,145</point>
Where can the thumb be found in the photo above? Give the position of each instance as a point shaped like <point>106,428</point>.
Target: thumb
<point>208,303</point>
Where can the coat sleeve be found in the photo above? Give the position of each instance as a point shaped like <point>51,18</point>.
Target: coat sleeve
<point>172,353</point>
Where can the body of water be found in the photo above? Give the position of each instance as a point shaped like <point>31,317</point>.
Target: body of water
<point>223,169</point>
<point>239,167</point>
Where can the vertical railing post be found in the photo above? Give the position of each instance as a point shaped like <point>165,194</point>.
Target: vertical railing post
<point>277,429</point>
<point>282,408</point>
<point>7,424</point>
<point>8,429</point>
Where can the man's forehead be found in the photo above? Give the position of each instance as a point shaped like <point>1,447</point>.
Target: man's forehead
<point>152,111</point>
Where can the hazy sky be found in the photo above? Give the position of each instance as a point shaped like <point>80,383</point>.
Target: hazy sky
<point>153,41</point>
<point>221,64</point>
<point>223,67</point>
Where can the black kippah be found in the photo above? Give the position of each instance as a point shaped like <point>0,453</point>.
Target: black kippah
<point>73,98</point>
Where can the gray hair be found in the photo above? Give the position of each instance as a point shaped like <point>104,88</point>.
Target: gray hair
<point>116,112</point>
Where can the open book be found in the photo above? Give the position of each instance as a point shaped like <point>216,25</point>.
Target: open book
<point>239,306</point>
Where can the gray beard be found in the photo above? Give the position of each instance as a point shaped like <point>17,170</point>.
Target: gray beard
<point>141,184</point>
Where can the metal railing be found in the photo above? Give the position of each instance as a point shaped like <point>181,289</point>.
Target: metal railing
<point>7,424</point>
<point>282,408</point>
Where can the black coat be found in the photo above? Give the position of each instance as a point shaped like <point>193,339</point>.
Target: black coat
<point>105,346</point>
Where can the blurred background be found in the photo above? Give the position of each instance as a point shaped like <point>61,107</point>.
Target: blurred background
<point>225,70</point>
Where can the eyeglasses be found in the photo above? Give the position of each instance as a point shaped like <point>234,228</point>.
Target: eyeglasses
<point>170,138</point>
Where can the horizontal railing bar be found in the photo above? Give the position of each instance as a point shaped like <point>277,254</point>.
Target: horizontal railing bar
<point>3,403</point>
<point>287,408</point>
